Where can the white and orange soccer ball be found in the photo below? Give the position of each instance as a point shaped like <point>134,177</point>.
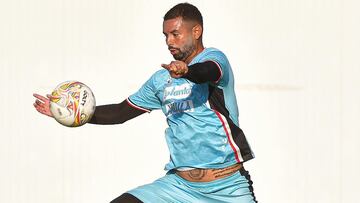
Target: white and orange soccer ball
<point>72,103</point>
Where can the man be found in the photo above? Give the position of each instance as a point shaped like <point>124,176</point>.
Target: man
<point>196,93</point>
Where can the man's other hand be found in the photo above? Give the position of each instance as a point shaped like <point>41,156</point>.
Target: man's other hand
<point>42,104</point>
<point>176,69</point>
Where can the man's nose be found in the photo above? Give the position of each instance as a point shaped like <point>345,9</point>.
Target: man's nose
<point>169,41</point>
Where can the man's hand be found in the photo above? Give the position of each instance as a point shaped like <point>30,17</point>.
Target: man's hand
<point>176,68</point>
<point>42,104</point>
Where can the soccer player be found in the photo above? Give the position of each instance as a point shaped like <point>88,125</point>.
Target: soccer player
<point>196,94</point>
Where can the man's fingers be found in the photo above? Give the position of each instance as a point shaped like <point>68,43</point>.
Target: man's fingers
<point>42,103</point>
<point>175,68</point>
<point>39,105</point>
<point>40,97</point>
<point>38,102</point>
<point>166,66</point>
<point>171,67</point>
<point>42,110</point>
<point>179,69</point>
<point>38,108</point>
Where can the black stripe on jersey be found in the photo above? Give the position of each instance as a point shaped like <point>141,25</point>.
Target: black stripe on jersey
<point>217,102</point>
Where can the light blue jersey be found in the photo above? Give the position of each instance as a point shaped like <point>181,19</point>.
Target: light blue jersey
<point>203,121</point>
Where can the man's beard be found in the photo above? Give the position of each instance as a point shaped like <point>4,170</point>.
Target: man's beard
<point>187,51</point>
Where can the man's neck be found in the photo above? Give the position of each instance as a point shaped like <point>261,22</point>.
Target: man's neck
<point>197,51</point>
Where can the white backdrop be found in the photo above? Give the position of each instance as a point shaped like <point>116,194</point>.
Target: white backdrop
<point>297,72</point>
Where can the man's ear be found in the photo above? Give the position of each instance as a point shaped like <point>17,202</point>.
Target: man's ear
<point>197,31</point>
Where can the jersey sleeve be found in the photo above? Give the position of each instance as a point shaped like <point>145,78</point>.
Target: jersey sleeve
<point>222,63</point>
<point>145,98</point>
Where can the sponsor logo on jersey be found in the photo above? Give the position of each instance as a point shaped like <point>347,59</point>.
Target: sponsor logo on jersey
<point>179,107</point>
<point>177,92</point>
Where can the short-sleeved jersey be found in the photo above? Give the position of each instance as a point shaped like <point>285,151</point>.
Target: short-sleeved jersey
<point>203,121</point>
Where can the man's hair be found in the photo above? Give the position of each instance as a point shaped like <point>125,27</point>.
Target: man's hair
<point>187,11</point>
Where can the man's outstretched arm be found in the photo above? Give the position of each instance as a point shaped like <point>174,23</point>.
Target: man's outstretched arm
<point>104,115</point>
<point>115,113</point>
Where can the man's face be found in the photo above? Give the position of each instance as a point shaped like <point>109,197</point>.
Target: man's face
<point>179,38</point>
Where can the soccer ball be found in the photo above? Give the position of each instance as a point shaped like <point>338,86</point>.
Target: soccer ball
<point>72,103</point>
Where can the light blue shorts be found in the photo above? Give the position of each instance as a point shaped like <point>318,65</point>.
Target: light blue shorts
<point>173,189</point>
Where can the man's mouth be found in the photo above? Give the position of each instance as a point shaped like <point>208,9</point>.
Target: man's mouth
<point>173,50</point>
